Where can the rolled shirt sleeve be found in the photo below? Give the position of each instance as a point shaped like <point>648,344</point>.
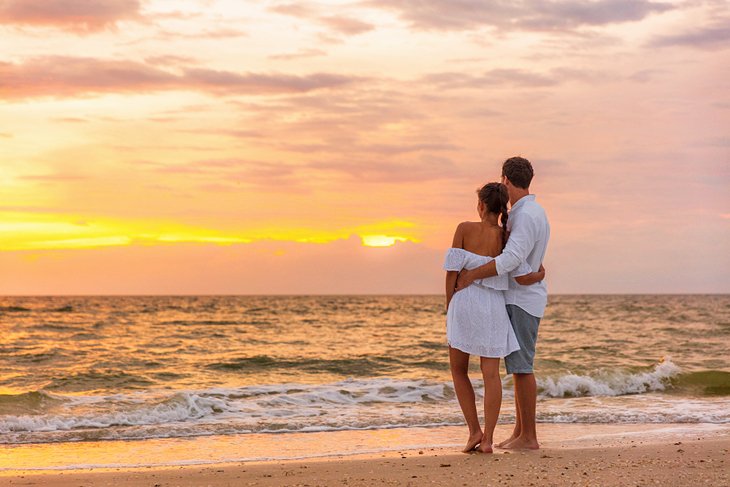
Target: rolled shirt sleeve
<point>521,241</point>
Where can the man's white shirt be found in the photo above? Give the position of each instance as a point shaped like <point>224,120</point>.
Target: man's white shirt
<point>528,239</point>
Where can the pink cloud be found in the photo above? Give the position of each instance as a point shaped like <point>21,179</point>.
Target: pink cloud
<point>338,23</point>
<point>65,76</point>
<point>346,25</point>
<point>302,53</point>
<point>73,15</point>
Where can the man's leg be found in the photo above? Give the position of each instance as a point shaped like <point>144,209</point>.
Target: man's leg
<point>526,391</point>
<point>518,421</point>
<point>520,365</point>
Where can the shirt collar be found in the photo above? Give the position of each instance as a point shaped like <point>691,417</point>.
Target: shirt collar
<point>522,201</point>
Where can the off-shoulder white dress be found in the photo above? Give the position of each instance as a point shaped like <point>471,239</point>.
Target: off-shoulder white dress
<point>477,322</point>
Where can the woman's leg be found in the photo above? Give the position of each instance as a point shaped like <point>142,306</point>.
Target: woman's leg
<point>459,362</point>
<point>492,400</point>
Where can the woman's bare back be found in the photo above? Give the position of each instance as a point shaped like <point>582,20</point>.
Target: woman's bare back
<point>482,238</point>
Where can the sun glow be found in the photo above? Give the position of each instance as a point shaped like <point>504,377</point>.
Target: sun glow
<point>39,231</point>
<point>381,240</point>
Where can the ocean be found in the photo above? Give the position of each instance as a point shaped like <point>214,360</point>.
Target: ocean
<point>103,369</point>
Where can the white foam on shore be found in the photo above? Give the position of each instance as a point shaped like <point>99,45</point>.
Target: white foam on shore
<point>610,383</point>
<point>180,407</point>
<point>368,404</point>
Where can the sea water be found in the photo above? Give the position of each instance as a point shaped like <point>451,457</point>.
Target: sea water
<point>140,368</point>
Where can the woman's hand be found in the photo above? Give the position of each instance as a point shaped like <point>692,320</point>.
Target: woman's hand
<point>464,279</point>
<point>541,272</point>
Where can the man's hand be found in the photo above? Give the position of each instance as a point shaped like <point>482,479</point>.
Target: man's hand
<point>464,279</point>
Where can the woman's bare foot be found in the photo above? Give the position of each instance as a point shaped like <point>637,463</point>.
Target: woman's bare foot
<point>472,443</point>
<point>522,444</point>
<point>485,447</point>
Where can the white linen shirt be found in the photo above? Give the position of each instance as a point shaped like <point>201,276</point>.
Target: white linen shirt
<point>528,239</point>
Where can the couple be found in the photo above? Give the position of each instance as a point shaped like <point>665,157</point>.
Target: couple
<point>495,297</point>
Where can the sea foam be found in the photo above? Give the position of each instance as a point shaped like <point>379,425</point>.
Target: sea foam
<point>610,383</point>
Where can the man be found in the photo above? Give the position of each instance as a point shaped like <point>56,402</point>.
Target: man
<point>529,235</point>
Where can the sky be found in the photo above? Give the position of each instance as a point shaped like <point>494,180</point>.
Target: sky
<point>276,147</point>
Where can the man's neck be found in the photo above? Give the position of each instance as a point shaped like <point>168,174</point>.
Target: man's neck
<point>517,195</point>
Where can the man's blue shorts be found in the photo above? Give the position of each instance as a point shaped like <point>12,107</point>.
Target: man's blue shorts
<point>525,326</point>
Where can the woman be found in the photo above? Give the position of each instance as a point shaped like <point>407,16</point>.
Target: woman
<point>477,321</point>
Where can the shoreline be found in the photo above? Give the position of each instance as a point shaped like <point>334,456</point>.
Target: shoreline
<point>673,463</point>
<point>603,451</point>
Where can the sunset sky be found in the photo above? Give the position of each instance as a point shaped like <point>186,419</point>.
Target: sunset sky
<point>257,147</point>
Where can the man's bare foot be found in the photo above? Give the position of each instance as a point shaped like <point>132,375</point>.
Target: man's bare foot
<point>503,444</point>
<point>472,443</point>
<point>522,444</point>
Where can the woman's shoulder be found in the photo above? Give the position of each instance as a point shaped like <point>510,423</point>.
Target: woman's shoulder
<point>468,226</point>
<point>464,253</point>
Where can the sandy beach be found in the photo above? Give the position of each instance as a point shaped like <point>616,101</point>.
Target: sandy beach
<point>606,459</point>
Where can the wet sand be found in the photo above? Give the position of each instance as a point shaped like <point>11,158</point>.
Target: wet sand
<point>604,460</point>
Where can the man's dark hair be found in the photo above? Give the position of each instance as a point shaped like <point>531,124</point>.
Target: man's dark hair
<point>519,171</point>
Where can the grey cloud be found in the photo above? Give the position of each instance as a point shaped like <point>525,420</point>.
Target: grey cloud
<point>712,37</point>
<point>531,15</point>
<point>265,83</point>
<point>510,77</point>
<point>514,78</point>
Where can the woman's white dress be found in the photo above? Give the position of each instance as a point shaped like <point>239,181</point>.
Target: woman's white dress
<point>477,322</point>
